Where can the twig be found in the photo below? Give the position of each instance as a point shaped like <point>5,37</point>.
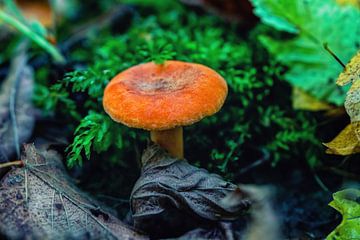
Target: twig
<point>326,47</point>
<point>14,163</point>
<point>342,173</point>
<point>263,159</point>
<point>321,184</point>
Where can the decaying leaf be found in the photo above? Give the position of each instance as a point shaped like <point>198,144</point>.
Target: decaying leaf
<point>348,140</point>
<point>170,189</point>
<point>263,222</point>
<point>351,72</point>
<point>304,101</point>
<point>352,106</point>
<point>39,201</point>
<point>16,111</point>
<point>344,143</point>
<point>347,203</point>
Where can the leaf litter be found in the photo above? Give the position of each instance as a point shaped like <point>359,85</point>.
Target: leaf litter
<point>39,200</point>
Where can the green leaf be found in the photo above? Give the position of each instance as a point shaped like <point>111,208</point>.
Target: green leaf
<point>314,23</point>
<point>347,202</point>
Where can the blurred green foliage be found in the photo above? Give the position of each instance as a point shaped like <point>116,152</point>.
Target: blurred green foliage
<point>257,114</point>
<point>312,23</point>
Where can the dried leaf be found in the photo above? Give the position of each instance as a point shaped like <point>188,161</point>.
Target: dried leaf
<point>351,72</point>
<point>344,143</point>
<point>352,106</point>
<point>304,101</point>
<point>15,101</point>
<point>263,223</point>
<point>40,10</point>
<point>170,189</point>
<point>39,201</point>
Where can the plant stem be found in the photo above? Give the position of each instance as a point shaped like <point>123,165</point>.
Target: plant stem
<point>55,54</point>
<point>14,163</point>
<point>334,55</point>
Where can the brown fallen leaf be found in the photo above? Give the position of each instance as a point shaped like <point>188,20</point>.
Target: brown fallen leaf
<point>39,201</point>
<point>345,143</point>
<point>304,101</point>
<point>170,189</point>
<point>16,111</point>
<point>37,9</point>
<point>263,223</point>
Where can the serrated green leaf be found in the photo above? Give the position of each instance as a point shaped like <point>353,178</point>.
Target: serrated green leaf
<point>347,202</point>
<point>311,68</point>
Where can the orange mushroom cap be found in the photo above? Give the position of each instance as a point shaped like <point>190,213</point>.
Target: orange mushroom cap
<point>160,97</point>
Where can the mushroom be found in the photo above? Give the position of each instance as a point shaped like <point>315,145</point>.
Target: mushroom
<point>164,97</point>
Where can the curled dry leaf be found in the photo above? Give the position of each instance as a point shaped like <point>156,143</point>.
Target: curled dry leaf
<point>351,72</point>
<point>345,143</point>
<point>263,221</point>
<point>39,201</point>
<point>170,189</point>
<point>16,111</point>
<point>348,140</point>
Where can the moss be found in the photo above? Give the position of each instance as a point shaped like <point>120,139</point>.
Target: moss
<point>253,118</point>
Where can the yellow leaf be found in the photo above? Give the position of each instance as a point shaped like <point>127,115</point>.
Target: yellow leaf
<point>355,3</point>
<point>345,143</point>
<point>304,101</point>
<point>352,106</point>
<point>351,72</point>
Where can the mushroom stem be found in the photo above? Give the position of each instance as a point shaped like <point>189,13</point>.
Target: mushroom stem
<point>171,140</point>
